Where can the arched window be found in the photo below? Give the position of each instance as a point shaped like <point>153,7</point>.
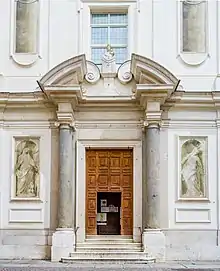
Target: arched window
<point>26,27</point>
<point>194,26</point>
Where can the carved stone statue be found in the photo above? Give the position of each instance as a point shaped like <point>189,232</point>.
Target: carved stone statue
<point>192,170</point>
<point>27,169</point>
<point>109,51</point>
<point>108,61</point>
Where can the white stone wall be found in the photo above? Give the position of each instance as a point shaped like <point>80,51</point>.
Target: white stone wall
<point>154,32</point>
<point>26,225</point>
<point>191,227</point>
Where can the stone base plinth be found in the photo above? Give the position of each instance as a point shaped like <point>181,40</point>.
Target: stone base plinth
<point>153,241</point>
<point>63,242</point>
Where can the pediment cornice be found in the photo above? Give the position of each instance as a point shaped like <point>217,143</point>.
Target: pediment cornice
<point>69,72</point>
<point>147,71</point>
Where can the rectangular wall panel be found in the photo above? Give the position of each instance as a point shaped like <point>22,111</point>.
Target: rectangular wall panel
<point>185,215</point>
<point>25,216</point>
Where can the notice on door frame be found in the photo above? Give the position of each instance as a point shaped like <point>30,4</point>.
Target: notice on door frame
<point>101,217</point>
<point>103,202</point>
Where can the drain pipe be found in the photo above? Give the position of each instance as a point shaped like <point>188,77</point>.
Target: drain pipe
<point>75,233</point>
<point>75,201</point>
<point>141,233</point>
<point>217,184</point>
<point>217,122</point>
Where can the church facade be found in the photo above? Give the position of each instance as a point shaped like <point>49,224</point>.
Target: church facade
<point>110,130</point>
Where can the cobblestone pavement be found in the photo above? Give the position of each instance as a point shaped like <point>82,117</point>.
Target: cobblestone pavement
<point>34,265</point>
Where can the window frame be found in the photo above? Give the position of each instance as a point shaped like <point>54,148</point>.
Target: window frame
<point>109,25</point>
<point>87,8</point>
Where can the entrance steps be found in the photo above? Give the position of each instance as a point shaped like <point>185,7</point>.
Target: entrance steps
<point>109,244</point>
<point>109,248</point>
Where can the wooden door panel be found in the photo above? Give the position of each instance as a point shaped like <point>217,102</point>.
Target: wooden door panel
<point>126,181</point>
<point>91,180</point>
<point>102,180</point>
<point>106,171</point>
<point>115,162</point>
<point>115,180</point>
<point>91,225</point>
<point>127,193</point>
<point>91,205</point>
<point>91,193</point>
<point>114,189</point>
<point>127,226</point>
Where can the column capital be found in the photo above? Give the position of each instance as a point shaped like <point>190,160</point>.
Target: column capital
<point>65,119</point>
<point>65,115</point>
<point>152,119</point>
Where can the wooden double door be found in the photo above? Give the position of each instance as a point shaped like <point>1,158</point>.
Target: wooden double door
<point>109,171</point>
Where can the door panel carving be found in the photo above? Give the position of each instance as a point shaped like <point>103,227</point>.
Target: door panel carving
<point>109,171</point>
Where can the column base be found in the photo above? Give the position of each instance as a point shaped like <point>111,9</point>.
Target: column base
<point>63,242</point>
<point>153,241</point>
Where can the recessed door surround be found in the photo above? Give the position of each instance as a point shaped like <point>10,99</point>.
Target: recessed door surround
<point>108,171</point>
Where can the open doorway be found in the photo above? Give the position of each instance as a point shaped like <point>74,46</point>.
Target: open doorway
<point>108,213</point>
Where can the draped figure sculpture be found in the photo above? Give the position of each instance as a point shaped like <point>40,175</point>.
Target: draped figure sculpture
<point>27,169</point>
<point>192,170</point>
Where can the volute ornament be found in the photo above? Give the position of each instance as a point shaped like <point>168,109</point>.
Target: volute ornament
<point>93,74</point>
<point>124,73</point>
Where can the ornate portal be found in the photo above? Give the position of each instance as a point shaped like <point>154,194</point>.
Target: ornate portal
<point>109,192</point>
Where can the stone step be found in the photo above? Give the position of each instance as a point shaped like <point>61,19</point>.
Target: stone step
<point>110,246</point>
<point>109,237</point>
<point>107,250</point>
<point>108,240</point>
<point>109,256</point>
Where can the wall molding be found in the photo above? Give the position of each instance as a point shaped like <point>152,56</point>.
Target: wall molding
<point>23,59</point>
<point>195,211</point>
<point>191,58</point>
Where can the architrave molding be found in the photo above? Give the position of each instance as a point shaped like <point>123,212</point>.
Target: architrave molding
<point>191,99</point>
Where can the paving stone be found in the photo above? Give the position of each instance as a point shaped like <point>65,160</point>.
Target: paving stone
<point>35,265</point>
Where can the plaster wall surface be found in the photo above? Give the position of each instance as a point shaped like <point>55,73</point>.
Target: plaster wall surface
<point>154,32</point>
<point>191,227</point>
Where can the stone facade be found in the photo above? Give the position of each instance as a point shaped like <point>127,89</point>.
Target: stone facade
<point>168,116</point>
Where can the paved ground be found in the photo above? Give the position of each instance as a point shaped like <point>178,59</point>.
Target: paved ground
<point>34,265</point>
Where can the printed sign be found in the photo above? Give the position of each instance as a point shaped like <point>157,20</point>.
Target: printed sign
<point>101,217</point>
<point>113,209</point>
<point>105,209</point>
<point>103,202</point>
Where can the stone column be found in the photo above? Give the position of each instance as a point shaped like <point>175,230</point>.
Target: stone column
<point>152,169</point>
<point>63,239</point>
<point>65,210</point>
<point>153,237</point>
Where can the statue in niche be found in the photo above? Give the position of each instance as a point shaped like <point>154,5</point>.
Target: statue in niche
<point>109,51</point>
<point>108,61</point>
<point>192,169</point>
<point>27,169</point>
<point>109,55</point>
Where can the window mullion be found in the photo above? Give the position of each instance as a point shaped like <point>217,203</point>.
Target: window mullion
<point>109,28</point>
<point>119,48</point>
